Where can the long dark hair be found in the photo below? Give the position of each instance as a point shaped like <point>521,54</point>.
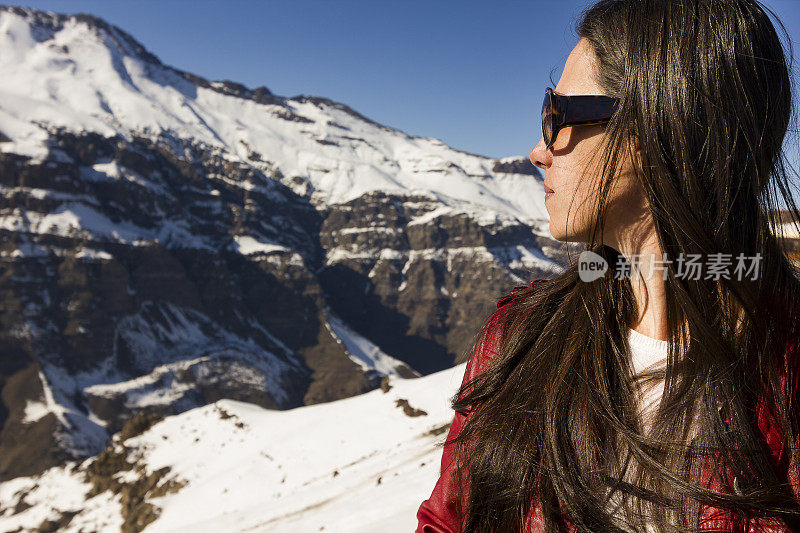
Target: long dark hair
<point>705,89</point>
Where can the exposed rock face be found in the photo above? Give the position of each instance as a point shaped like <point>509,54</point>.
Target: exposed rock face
<point>103,473</point>
<point>147,268</point>
<point>156,325</point>
<point>28,445</point>
<point>421,270</point>
<point>520,165</point>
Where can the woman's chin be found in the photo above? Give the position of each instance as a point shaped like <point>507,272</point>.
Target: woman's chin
<point>560,234</point>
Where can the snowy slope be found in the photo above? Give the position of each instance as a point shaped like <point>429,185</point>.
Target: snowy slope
<point>353,465</point>
<point>84,78</point>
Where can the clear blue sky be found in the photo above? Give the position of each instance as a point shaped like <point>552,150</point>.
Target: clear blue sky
<point>467,72</point>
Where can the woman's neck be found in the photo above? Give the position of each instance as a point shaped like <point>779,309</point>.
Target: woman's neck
<point>650,298</point>
<point>647,280</point>
<point>649,287</point>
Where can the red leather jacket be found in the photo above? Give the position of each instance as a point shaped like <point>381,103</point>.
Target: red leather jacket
<point>437,513</point>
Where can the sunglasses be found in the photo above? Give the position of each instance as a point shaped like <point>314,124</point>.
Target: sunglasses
<point>560,110</point>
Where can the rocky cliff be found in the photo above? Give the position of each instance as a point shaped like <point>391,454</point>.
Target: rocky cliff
<point>169,241</point>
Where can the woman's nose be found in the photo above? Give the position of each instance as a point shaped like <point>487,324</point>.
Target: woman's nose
<point>539,155</point>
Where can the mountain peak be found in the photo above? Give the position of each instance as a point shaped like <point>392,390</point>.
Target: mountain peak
<point>44,25</point>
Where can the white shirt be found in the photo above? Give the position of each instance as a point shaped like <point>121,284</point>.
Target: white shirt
<point>648,353</point>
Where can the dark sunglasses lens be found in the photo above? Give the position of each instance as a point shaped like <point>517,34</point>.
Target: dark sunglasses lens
<point>547,118</point>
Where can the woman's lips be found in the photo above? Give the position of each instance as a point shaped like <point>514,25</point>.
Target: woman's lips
<point>548,192</point>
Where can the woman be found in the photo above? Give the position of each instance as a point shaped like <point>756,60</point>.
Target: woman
<point>659,400</point>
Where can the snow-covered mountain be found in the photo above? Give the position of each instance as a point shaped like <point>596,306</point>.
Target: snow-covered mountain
<point>169,241</point>
<point>360,464</point>
<point>83,75</point>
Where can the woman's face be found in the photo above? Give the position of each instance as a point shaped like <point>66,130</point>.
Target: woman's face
<point>567,169</point>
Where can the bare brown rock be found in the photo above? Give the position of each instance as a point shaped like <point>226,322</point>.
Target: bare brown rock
<point>407,409</point>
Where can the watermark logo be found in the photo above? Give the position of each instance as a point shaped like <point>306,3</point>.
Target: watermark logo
<point>591,266</point>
